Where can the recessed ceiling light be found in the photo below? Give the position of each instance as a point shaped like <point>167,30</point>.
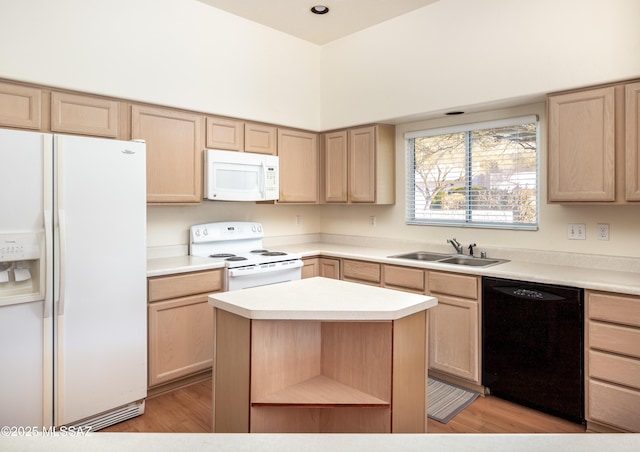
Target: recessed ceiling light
<point>319,9</point>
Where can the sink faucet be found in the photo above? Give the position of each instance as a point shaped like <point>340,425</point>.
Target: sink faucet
<point>456,245</point>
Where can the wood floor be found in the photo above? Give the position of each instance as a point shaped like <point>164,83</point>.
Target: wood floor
<point>188,410</point>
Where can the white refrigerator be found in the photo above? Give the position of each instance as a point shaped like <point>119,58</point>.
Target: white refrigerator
<point>73,324</point>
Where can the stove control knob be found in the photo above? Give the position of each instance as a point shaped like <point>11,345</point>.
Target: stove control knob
<point>205,231</point>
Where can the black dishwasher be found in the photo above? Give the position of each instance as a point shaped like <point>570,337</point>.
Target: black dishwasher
<point>532,345</point>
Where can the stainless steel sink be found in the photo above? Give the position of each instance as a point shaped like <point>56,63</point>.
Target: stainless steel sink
<point>422,256</point>
<point>455,259</point>
<point>471,261</point>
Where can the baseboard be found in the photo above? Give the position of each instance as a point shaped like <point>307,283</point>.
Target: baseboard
<point>175,384</point>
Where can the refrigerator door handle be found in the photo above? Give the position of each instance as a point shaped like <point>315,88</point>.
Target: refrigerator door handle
<point>48,243</point>
<point>62,227</point>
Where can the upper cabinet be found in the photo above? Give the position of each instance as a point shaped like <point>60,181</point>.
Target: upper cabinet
<point>20,106</point>
<point>86,115</point>
<point>298,152</point>
<point>586,145</point>
<point>632,128</point>
<point>358,165</point>
<point>175,142</point>
<point>236,135</point>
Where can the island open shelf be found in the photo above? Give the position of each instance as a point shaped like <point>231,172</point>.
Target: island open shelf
<point>297,372</point>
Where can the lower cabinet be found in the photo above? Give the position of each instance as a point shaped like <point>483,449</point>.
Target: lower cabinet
<point>612,386</point>
<point>321,266</point>
<point>361,272</point>
<point>403,278</point>
<point>288,376</point>
<point>454,328</point>
<point>180,325</point>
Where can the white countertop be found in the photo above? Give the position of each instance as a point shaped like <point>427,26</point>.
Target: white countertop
<point>526,265</point>
<point>321,299</point>
<point>235,442</point>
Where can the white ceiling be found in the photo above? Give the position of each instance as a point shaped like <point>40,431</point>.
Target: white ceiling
<point>294,16</point>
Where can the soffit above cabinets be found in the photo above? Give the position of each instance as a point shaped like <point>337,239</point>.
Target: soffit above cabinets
<point>295,18</point>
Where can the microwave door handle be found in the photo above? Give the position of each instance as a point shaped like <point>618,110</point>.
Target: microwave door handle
<point>263,188</point>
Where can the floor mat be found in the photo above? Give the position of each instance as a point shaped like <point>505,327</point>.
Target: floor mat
<point>445,400</point>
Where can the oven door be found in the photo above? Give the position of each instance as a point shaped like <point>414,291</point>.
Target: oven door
<point>262,275</point>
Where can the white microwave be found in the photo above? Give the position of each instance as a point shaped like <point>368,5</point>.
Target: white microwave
<point>240,176</point>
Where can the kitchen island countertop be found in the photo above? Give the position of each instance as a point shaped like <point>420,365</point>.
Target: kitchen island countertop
<point>321,299</point>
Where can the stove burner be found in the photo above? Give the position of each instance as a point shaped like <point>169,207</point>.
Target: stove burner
<point>236,258</point>
<point>222,255</point>
<point>258,251</point>
<point>274,253</point>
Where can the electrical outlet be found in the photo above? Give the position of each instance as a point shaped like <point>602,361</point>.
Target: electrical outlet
<point>603,231</point>
<point>576,231</point>
<point>297,220</point>
<point>372,221</point>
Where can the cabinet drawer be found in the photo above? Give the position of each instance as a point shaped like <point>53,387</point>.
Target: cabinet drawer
<point>409,278</point>
<point>614,338</point>
<point>613,308</point>
<point>613,368</point>
<point>361,271</point>
<point>453,284</point>
<point>614,405</point>
<point>165,287</point>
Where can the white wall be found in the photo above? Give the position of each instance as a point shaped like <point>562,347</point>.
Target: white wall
<point>457,53</point>
<point>179,53</point>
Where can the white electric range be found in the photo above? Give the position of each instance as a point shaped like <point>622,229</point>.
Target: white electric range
<point>239,245</point>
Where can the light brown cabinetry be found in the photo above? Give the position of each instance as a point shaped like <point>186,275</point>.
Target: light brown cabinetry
<point>86,115</point>
<point>321,266</point>
<point>593,145</point>
<point>174,153</point>
<point>358,165</point>
<point>403,278</point>
<point>20,106</point>
<point>180,325</point>
<point>454,329</point>
<point>236,135</point>
<point>361,271</point>
<point>632,141</point>
<point>283,376</point>
<point>298,152</point>
<point>612,386</point>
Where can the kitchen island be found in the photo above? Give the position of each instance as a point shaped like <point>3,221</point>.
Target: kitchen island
<point>320,356</point>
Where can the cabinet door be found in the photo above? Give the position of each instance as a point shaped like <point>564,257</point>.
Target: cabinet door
<point>453,337</point>
<point>311,268</point>
<point>582,146</point>
<point>330,268</point>
<point>298,153</point>
<point>87,115</point>
<point>335,166</point>
<point>362,164</point>
<point>174,153</point>
<point>20,106</point>
<point>260,138</point>
<point>225,133</point>
<point>180,338</point>
<point>632,130</point>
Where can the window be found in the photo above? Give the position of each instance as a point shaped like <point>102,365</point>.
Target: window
<point>483,175</point>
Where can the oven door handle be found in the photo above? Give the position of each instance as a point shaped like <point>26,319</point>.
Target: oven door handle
<point>264,268</point>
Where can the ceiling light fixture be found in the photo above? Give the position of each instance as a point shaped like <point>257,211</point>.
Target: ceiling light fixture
<point>319,9</point>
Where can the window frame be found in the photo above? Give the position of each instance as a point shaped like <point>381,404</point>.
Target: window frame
<point>410,190</point>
